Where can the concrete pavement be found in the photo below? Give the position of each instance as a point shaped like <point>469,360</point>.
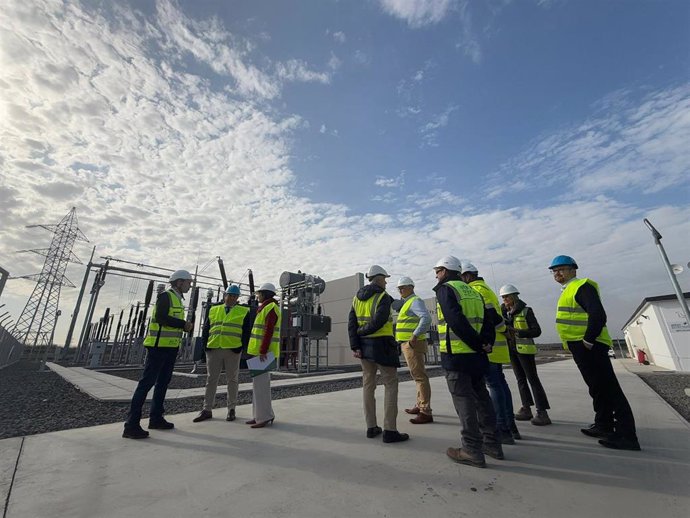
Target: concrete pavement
<point>316,462</point>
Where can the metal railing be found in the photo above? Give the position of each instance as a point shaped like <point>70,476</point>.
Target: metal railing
<point>10,348</point>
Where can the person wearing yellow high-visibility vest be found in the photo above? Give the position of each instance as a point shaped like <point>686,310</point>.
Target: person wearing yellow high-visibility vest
<point>465,338</point>
<point>523,328</point>
<point>410,332</point>
<point>162,342</point>
<point>265,337</point>
<point>496,382</point>
<point>370,329</point>
<point>581,325</point>
<point>226,330</point>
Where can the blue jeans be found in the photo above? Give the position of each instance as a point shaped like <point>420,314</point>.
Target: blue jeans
<point>501,397</point>
<point>158,370</point>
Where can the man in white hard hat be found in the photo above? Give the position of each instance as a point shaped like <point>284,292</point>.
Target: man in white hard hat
<point>410,332</point>
<point>465,336</point>
<point>265,337</point>
<point>162,343</point>
<point>226,331</point>
<point>370,328</point>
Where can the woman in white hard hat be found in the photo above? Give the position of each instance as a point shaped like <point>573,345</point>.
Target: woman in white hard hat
<point>524,328</point>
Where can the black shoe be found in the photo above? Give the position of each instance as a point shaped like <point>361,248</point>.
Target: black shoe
<point>493,450</point>
<point>134,432</point>
<point>231,415</point>
<point>203,415</point>
<point>505,437</point>
<point>394,436</point>
<point>373,432</point>
<point>617,442</point>
<point>160,424</point>
<point>596,430</point>
<point>516,433</point>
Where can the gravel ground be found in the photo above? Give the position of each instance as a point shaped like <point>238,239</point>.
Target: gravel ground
<point>671,386</point>
<point>34,402</point>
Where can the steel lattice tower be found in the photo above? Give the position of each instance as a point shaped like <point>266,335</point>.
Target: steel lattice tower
<point>36,324</point>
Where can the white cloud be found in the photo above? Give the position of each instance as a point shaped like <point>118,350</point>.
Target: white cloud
<point>390,182</point>
<point>418,13</point>
<point>339,36</point>
<point>430,130</point>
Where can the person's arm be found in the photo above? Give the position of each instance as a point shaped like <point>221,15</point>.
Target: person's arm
<point>455,318</point>
<point>162,309</point>
<point>533,328</point>
<point>355,344</point>
<point>206,330</point>
<point>418,309</point>
<point>246,329</point>
<point>383,313</point>
<point>588,297</point>
<point>491,322</point>
<point>269,327</point>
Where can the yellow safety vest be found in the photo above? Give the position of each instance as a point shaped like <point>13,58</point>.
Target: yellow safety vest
<point>255,339</point>
<point>165,336</point>
<point>407,322</point>
<point>571,318</point>
<point>500,352</point>
<point>523,345</point>
<point>365,311</point>
<point>226,328</point>
<point>472,306</point>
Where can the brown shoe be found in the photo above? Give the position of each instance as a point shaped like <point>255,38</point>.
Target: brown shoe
<point>541,419</point>
<point>413,411</point>
<point>422,418</point>
<point>524,414</point>
<point>462,457</point>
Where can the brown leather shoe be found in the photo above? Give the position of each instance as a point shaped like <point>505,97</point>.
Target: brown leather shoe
<point>251,421</point>
<point>413,411</point>
<point>263,423</point>
<point>422,418</point>
<point>462,457</point>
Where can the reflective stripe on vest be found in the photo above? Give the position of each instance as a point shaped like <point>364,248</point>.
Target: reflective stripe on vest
<point>500,352</point>
<point>572,319</point>
<point>365,311</point>
<point>472,306</point>
<point>407,322</point>
<point>523,345</point>
<point>226,328</point>
<point>257,336</point>
<point>165,336</point>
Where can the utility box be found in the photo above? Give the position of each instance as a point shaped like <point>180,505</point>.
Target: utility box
<point>96,354</point>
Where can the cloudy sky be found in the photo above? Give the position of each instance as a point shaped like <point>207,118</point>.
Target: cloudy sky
<point>328,135</point>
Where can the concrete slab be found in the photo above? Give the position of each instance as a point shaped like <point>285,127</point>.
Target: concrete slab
<point>9,453</point>
<point>316,462</point>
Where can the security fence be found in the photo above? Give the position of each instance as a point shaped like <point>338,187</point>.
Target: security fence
<point>10,348</point>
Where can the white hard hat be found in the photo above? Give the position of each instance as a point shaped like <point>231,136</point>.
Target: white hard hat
<point>267,286</point>
<point>181,274</point>
<point>375,270</point>
<point>449,262</point>
<point>405,281</point>
<point>508,289</point>
<point>468,267</point>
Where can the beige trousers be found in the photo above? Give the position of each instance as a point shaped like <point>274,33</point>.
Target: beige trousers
<point>389,376</point>
<point>414,356</point>
<point>215,359</point>
<point>261,398</point>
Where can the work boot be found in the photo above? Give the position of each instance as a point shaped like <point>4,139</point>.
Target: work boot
<point>231,415</point>
<point>203,415</point>
<point>160,424</point>
<point>394,436</point>
<point>463,457</point>
<point>524,414</point>
<point>422,418</point>
<point>374,431</point>
<point>617,442</point>
<point>505,437</point>
<point>595,430</point>
<point>414,410</point>
<point>134,432</point>
<point>493,450</point>
<point>514,430</point>
<point>541,419</point>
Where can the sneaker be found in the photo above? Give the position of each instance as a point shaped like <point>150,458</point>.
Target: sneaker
<point>505,437</point>
<point>463,457</point>
<point>596,430</point>
<point>203,415</point>
<point>374,432</point>
<point>394,436</point>
<point>231,415</point>
<point>493,450</point>
<point>541,419</point>
<point>524,414</point>
<point>160,424</point>
<point>617,442</point>
<point>422,418</point>
<point>134,432</point>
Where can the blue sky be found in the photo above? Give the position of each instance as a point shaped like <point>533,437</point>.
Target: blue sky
<point>329,135</point>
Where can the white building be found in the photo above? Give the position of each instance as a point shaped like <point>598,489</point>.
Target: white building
<point>659,328</point>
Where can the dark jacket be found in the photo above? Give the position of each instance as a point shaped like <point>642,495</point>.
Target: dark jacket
<point>246,329</point>
<point>533,329</point>
<point>383,349</point>
<point>452,311</point>
<point>587,296</point>
<point>162,309</point>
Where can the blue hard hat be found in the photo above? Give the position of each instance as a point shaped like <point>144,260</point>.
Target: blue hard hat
<point>233,289</point>
<point>563,260</point>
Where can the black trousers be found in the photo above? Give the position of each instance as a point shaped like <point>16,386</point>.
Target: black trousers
<point>611,408</point>
<point>158,370</point>
<point>525,369</point>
